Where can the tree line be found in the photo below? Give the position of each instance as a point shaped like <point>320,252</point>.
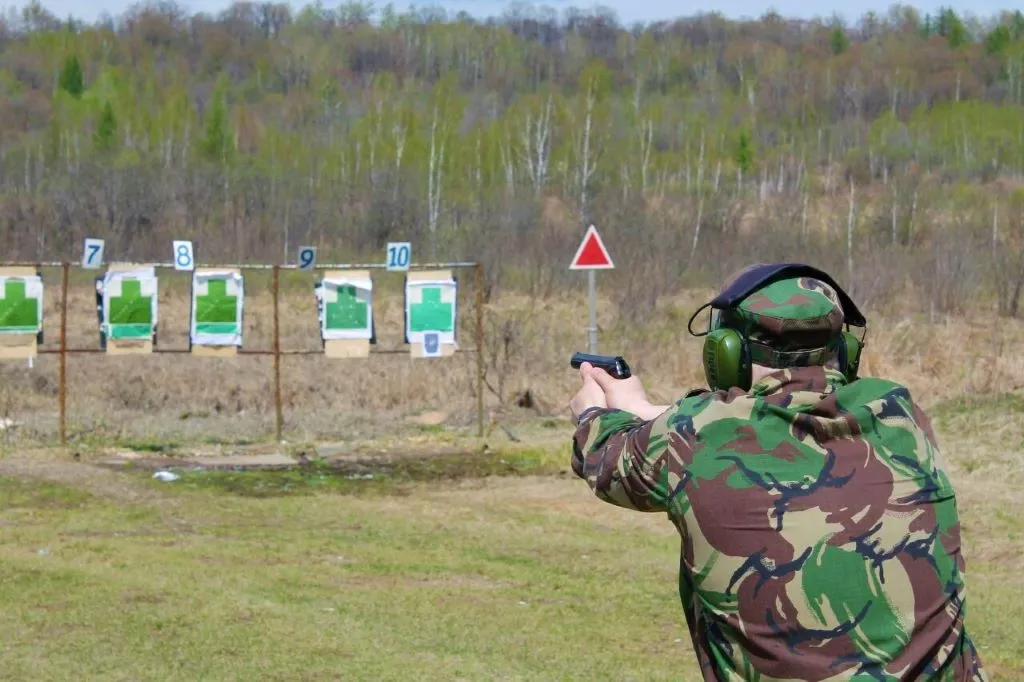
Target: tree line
<point>890,150</point>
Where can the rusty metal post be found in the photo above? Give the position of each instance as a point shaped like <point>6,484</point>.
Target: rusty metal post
<point>63,352</point>
<point>277,351</point>
<point>479,276</point>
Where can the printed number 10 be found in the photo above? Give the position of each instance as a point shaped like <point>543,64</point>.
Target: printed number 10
<point>398,256</point>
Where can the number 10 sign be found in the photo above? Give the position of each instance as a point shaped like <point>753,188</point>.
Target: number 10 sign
<point>399,256</point>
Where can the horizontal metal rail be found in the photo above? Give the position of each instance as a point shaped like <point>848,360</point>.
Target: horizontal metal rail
<point>241,351</point>
<point>64,351</point>
<point>249,266</point>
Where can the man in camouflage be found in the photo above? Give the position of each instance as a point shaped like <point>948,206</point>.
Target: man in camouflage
<point>820,535</point>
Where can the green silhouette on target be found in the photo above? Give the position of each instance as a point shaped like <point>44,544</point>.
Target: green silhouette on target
<point>216,312</point>
<point>18,313</point>
<point>431,315</point>
<point>131,313</point>
<point>347,311</point>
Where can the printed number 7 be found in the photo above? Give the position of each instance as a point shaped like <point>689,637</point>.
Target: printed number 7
<point>94,249</point>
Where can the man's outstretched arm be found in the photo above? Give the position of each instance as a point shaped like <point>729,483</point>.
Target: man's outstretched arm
<point>629,461</point>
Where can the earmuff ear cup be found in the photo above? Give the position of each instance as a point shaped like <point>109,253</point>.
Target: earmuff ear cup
<point>726,360</point>
<point>850,349</point>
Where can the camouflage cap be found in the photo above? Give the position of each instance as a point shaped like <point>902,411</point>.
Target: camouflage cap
<point>789,323</point>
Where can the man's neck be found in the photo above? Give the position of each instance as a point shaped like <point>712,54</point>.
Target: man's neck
<point>815,379</point>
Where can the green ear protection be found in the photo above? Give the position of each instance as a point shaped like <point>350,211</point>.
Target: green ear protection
<point>727,358</point>
<point>726,352</point>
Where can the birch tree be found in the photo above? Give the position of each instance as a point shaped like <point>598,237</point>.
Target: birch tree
<point>594,87</point>
<point>535,140</point>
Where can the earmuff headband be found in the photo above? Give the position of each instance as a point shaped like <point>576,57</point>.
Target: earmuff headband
<point>757,277</point>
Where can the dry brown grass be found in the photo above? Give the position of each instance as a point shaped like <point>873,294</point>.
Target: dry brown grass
<point>527,347</point>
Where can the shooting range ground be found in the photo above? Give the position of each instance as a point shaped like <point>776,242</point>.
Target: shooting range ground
<point>280,383</point>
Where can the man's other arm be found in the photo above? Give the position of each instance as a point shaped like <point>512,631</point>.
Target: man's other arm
<point>630,461</point>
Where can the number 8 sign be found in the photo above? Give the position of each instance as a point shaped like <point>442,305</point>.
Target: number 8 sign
<point>183,255</point>
<point>399,255</point>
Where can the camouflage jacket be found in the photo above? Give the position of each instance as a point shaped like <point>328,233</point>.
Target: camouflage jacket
<point>820,535</point>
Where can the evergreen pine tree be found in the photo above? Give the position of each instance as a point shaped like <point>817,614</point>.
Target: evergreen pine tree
<point>71,80</point>
<point>744,152</point>
<point>106,129</point>
<point>216,137</point>
<point>840,43</point>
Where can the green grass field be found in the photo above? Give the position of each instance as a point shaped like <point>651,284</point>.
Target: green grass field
<point>420,575</point>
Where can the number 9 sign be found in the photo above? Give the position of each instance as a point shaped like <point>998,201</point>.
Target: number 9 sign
<point>183,255</point>
<point>307,257</point>
<point>399,255</point>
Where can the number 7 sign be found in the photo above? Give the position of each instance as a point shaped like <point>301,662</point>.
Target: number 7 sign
<point>92,257</point>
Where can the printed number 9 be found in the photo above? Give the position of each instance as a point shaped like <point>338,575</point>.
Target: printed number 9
<point>184,257</point>
<point>399,256</point>
<point>305,258</point>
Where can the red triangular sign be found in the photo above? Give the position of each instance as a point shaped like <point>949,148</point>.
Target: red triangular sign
<point>591,255</point>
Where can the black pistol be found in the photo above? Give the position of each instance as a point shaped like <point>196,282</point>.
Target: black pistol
<point>613,364</point>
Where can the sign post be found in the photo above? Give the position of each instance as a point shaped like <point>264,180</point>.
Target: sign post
<point>592,256</point>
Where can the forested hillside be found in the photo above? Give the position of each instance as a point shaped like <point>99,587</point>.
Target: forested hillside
<point>891,150</point>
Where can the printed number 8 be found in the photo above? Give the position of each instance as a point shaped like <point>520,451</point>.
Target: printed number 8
<point>184,257</point>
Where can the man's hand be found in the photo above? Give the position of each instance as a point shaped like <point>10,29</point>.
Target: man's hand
<point>620,394</point>
<point>627,395</point>
<point>590,394</point>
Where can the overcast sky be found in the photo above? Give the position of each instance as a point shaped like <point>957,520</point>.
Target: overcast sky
<point>628,11</point>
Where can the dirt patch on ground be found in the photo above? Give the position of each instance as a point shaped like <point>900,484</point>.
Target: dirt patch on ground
<point>564,495</point>
<point>414,582</point>
<point>79,475</point>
